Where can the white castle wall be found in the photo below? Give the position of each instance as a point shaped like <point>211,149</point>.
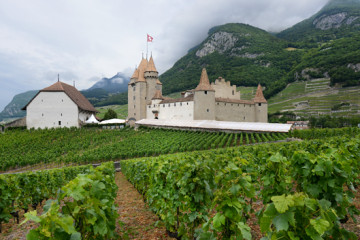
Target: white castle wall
<point>178,111</point>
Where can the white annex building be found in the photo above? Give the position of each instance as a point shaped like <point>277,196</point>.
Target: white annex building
<point>60,105</point>
<point>218,101</point>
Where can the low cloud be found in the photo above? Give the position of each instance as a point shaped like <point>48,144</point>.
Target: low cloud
<point>82,39</point>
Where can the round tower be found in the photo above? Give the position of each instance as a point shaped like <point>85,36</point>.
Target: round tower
<point>204,99</point>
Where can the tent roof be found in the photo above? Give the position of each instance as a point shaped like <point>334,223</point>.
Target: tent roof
<point>92,119</point>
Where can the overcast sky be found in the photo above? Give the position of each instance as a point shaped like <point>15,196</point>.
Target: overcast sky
<point>85,40</point>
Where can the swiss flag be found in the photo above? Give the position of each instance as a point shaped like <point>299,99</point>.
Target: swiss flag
<point>149,38</point>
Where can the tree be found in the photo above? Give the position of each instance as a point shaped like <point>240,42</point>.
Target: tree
<point>110,114</point>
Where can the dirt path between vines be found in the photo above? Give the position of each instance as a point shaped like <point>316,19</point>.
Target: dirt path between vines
<point>138,221</point>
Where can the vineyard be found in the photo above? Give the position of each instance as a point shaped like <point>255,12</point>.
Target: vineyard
<point>306,189</point>
<point>82,146</point>
<point>293,190</point>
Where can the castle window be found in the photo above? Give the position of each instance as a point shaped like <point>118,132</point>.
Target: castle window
<point>59,123</point>
<point>134,114</point>
<point>207,110</point>
<point>62,100</point>
<point>163,105</point>
<point>233,93</point>
<point>225,104</point>
<point>42,114</point>
<point>238,104</point>
<point>134,98</point>
<point>145,98</point>
<point>134,106</point>
<point>154,105</point>
<point>187,103</point>
<point>244,118</point>
<point>259,104</point>
<point>169,104</point>
<point>244,105</point>
<point>61,115</point>
<point>134,88</point>
<point>205,92</point>
<point>174,104</point>
<point>217,103</point>
<point>149,106</point>
<point>231,104</point>
<point>180,104</point>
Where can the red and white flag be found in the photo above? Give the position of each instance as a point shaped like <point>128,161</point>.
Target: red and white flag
<point>149,38</point>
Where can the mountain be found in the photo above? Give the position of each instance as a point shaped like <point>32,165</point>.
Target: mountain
<point>13,109</point>
<point>115,84</point>
<point>337,19</point>
<point>243,54</point>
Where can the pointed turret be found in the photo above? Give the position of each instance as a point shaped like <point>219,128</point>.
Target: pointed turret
<point>158,95</point>
<point>204,84</point>
<point>151,66</point>
<point>259,96</point>
<point>142,68</point>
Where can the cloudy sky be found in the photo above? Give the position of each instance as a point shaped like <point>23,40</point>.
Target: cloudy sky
<point>85,40</point>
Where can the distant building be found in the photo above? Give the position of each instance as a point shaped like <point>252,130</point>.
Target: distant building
<point>216,101</point>
<point>299,125</point>
<point>60,105</point>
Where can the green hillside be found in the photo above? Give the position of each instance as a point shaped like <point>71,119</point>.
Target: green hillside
<point>316,97</point>
<point>337,19</point>
<point>243,54</point>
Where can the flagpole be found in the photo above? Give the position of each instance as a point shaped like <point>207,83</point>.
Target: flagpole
<point>147,46</point>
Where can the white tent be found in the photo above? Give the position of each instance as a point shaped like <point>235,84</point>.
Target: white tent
<point>92,119</point>
<point>113,121</point>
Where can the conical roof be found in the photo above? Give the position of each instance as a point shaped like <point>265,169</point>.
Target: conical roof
<point>142,68</point>
<point>151,66</point>
<point>158,82</point>
<point>204,84</point>
<point>158,95</point>
<point>259,96</point>
<point>136,74</point>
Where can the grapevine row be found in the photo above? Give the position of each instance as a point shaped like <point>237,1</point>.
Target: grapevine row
<point>210,194</point>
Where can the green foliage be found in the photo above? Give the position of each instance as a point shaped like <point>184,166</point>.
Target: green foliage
<point>209,194</point>
<point>298,217</point>
<point>110,114</point>
<point>84,209</point>
<point>65,146</point>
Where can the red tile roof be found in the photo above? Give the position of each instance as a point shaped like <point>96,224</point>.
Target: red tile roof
<point>73,94</point>
<point>259,96</point>
<point>204,84</point>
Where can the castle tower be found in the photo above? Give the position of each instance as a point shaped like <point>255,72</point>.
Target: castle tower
<point>152,80</point>
<point>204,99</point>
<point>261,107</point>
<point>141,89</point>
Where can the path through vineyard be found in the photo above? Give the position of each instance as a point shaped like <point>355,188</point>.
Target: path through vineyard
<point>139,221</point>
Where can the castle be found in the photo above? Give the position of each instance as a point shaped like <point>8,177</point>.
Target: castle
<point>216,101</point>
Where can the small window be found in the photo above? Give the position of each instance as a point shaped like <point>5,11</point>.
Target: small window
<point>163,105</point>
<point>233,93</point>
<point>149,106</point>
<point>259,104</point>
<point>59,123</point>
<point>134,114</point>
<point>134,106</point>
<point>217,103</point>
<point>134,98</point>
<point>207,110</point>
<point>174,104</point>
<point>231,104</point>
<point>169,104</point>
<point>180,104</point>
<point>61,115</point>
<point>225,104</point>
<point>134,88</point>
<point>42,114</point>
<point>205,92</point>
<point>187,103</point>
<point>62,100</point>
<point>154,105</point>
